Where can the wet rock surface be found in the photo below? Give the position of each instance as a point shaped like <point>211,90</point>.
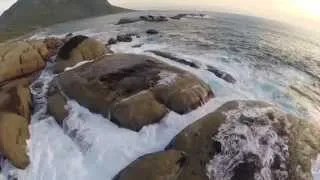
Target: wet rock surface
<point>124,38</point>
<point>114,85</point>
<point>165,165</point>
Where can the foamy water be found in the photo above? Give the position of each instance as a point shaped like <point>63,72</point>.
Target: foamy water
<point>90,146</point>
<point>256,143</point>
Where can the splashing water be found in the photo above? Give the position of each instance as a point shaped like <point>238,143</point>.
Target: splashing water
<point>249,146</point>
<point>167,78</point>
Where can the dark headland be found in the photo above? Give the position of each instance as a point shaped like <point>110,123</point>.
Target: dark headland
<point>28,15</point>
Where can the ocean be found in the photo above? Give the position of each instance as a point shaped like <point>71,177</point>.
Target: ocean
<point>272,62</point>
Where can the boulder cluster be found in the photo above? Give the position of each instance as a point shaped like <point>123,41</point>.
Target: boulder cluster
<point>133,91</point>
<point>21,63</point>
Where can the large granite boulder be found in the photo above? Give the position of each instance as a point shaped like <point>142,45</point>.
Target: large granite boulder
<point>133,90</point>
<point>21,58</point>
<point>13,136</point>
<point>165,165</point>
<point>245,140</point>
<point>77,49</point>
<point>15,97</point>
<point>138,110</point>
<point>39,46</point>
<point>56,103</point>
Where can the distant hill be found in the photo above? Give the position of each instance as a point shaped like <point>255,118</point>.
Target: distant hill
<point>27,15</point>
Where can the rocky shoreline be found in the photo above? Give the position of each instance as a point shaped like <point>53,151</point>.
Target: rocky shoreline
<point>134,91</point>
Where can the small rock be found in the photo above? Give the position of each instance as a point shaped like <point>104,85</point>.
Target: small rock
<point>179,16</point>
<point>68,36</point>
<point>124,38</point>
<point>137,46</point>
<point>220,74</point>
<point>152,31</point>
<point>112,41</point>
<point>128,20</point>
<point>149,18</point>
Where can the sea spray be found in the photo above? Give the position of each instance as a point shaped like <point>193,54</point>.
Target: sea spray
<point>250,146</point>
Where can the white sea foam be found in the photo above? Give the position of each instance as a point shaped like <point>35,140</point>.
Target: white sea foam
<point>77,65</point>
<point>254,142</point>
<point>167,78</point>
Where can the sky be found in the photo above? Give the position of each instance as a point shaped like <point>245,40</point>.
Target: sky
<point>299,12</point>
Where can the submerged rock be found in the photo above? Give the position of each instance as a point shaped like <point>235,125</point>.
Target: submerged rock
<point>124,38</point>
<point>112,41</point>
<point>13,139</point>
<point>135,90</point>
<point>151,18</point>
<point>252,136</point>
<point>183,15</point>
<point>128,20</point>
<point>179,16</point>
<point>152,31</point>
<point>165,165</point>
<point>21,58</point>
<point>77,49</point>
<point>220,74</point>
<point>174,58</point>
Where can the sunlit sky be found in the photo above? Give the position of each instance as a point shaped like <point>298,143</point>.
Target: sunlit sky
<point>298,12</point>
